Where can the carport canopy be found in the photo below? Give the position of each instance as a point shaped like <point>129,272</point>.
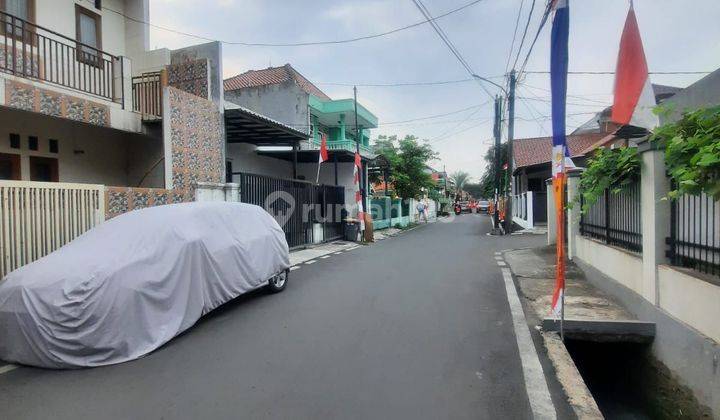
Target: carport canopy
<point>245,126</point>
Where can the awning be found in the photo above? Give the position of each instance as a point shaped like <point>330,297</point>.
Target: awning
<point>245,126</point>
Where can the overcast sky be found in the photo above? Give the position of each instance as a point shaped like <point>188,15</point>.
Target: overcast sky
<point>679,35</point>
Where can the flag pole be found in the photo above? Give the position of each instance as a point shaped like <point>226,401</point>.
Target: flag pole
<point>317,178</point>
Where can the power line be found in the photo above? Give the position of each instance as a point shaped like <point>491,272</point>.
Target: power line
<point>512,44</point>
<point>527,25</point>
<point>437,115</point>
<point>612,72</point>
<point>543,21</point>
<point>443,36</point>
<point>293,44</point>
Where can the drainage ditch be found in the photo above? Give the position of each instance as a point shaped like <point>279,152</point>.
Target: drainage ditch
<point>627,382</point>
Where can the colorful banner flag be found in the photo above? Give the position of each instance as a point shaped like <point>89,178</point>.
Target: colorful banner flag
<point>634,95</point>
<point>560,153</point>
<point>357,169</point>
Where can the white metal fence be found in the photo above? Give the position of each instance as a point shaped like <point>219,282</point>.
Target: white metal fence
<point>37,218</point>
<point>522,209</point>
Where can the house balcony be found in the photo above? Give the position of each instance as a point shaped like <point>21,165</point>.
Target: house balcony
<point>348,144</point>
<point>338,121</point>
<point>32,52</point>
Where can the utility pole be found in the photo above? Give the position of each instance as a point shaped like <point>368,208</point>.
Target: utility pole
<point>357,149</point>
<point>498,164</point>
<point>511,133</point>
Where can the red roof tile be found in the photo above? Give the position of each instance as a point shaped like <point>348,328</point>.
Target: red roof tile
<point>272,76</point>
<point>533,151</point>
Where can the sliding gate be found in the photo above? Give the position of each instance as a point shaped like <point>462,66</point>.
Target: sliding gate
<point>306,212</point>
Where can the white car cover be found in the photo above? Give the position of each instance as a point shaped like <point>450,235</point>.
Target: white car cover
<point>131,284</point>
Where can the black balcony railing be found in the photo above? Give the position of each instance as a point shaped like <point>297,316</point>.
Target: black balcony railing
<point>615,218</point>
<point>33,52</point>
<point>147,95</point>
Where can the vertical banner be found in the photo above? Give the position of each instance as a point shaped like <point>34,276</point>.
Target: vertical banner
<point>358,193</point>
<point>560,153</point>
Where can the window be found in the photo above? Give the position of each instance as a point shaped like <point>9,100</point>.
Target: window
<point>14,141</point>
<point>21,9</point>
<point>98,4</point>
<point>53,146</point>
<point>88,30</point>
<point>9,167</point>
<point>32,143</point>
<point>43,169</point>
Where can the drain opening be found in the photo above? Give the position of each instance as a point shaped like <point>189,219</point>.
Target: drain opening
<point>627,382</point>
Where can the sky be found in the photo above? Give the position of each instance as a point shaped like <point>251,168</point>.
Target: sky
<point>678,35</point>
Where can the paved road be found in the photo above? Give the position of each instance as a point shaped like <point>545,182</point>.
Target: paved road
<point>417,326</point>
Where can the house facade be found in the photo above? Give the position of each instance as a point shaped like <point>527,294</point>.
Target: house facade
<point>286,96</point>
<point>93,123</point>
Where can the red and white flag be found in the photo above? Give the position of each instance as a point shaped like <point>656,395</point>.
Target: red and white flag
<point>358,194</point>
<point>323,148</point>
<point>323,155</point>
<point>634,96</point>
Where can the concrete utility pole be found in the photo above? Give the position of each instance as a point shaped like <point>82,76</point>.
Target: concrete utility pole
<point>357,149</point>
<point>511,133</point>
<point>498,165</point>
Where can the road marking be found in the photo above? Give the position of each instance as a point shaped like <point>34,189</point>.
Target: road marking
<point>498,253</point>
<point>310,262</point>
<point>535,385</point>
<point>293,268</point>
<point>7,368</point>
<point>352,247</point>
<point>498,258</point>
<point>501,263</point>
<point>337,253</point>
<point>325,256</point>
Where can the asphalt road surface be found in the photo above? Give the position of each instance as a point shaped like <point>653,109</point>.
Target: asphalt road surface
<point>417,326</point>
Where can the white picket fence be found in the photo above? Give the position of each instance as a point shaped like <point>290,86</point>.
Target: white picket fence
<point>37,218</point>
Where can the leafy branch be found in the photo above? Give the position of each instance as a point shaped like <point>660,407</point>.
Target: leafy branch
<point>611,169</point>
<point>692,152</point>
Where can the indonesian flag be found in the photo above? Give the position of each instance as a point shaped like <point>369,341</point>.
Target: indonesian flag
<point>634,96</point>
<point>357,168</point>
<point>323,149</point>
<point>560,153</point>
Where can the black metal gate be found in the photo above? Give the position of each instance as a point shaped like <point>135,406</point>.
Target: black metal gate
<point>300,207</point>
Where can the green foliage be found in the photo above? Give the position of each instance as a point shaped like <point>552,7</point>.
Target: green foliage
<point>611,169</point>
<point>476,190</point>
<point>487,182</point>
<point>692,152</point>
<point>459,178</point>
<point>408,159</point>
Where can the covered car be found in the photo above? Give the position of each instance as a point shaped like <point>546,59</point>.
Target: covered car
<point>126,287</point>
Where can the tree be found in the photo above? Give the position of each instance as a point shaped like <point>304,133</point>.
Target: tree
<point>487,181</point>
<point>408,159</point>
<point>459,178</point>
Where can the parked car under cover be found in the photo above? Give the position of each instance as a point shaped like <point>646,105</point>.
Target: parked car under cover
<point>133,283</point>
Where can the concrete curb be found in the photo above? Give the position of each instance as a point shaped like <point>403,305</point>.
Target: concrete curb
<point>577,392</point>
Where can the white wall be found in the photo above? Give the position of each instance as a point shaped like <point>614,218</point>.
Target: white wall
<point>245,159</point>
<point>327,176</point>
<point>691,300</point>
<point>59,16</point>
<point>621,266</point>
<point>87,153</point>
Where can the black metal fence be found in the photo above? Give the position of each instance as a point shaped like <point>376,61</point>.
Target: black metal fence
<point>615,219</point>
<point>298,206</point>
<point>695,233</point>
<point>33,52</point>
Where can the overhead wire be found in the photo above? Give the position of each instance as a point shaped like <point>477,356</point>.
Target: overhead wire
<point>291,44</point>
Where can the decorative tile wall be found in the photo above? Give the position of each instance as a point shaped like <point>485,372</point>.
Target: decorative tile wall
<point>119,200</point>
<point>196,142</point>
<point>191,76</point>
<point>31,98</point>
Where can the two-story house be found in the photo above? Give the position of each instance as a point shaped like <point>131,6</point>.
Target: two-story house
<point>285,95</point>
<point>93,123</point>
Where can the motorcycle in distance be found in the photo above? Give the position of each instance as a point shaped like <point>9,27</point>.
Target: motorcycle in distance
<point>458,209</point>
